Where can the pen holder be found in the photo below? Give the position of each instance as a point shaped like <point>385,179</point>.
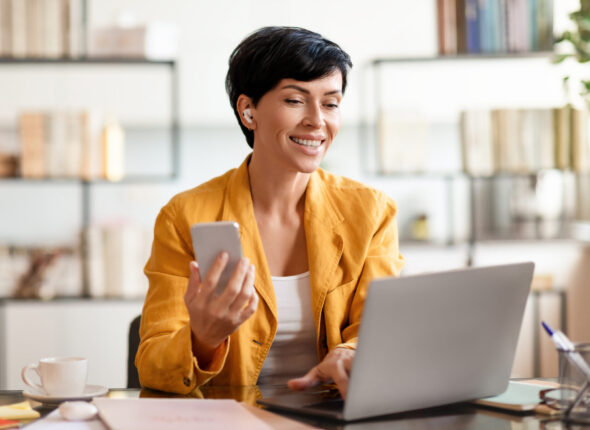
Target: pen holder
<point>574,386</point>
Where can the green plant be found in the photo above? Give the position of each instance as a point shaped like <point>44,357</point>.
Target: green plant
<point>579,40</point>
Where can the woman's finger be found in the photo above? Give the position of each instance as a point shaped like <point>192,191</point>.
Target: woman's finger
<point>212,277</point>
<point>235,283</point>
<point>245,294</point>
<point>337,372</point>
<point>251,307</point>
<point>194,282</point>
<point>310,379</point>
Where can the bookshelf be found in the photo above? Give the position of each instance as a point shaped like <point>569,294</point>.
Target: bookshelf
<point>390,78</point>
<point>170,133</point>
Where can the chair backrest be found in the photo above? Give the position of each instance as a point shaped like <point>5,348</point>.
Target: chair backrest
<point>132,375</point>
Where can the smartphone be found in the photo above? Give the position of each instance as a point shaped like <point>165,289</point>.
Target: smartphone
<point>211,238</point>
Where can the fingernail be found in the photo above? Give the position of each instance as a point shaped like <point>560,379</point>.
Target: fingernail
<point>224,256</point>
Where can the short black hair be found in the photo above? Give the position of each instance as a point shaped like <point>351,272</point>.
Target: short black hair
<point>271,54</point>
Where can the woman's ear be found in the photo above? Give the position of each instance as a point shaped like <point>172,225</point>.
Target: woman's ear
<point>245,109</point>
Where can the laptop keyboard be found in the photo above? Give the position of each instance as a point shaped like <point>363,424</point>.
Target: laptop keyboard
<point>328,405</point>
<point>329,399</point>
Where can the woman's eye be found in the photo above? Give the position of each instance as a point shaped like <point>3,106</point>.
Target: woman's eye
<point>293,101</point>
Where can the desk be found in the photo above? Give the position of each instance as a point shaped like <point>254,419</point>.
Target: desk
<point>460,416</point>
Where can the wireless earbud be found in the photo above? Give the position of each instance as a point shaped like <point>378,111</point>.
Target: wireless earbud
<point>247,115</point>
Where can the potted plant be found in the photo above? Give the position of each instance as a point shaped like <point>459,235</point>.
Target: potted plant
<point>577,41</point>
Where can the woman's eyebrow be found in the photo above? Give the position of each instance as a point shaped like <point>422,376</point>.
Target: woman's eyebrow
<point>305,91</point>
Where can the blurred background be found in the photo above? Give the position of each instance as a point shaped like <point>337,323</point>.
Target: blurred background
<point>471,114</point>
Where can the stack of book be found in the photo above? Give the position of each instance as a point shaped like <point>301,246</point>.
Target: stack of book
<point>525,141</point>
<point>41,28</point>
<point>115,256</point>
<point>494,26</point>
<point>154,41</point>
<point>66,144</point>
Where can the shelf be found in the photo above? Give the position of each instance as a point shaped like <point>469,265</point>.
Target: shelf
<point>510,175</point>
<point>87,60</point>
<point>411,243</point>
<point>418,175</point>
<point>70,299</point>
<point>456,175</point>
<point>465,57</point>
<point>128,180</point>
<point>520,239</point>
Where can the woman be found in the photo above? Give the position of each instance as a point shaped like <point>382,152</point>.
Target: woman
<point>313,240</point>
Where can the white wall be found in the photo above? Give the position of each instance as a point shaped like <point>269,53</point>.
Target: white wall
<point>212,143</point>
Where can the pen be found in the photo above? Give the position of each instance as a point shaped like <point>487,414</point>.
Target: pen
<point>568,347</point>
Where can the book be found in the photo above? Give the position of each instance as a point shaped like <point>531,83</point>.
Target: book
<point>582,200</point>
<point>545,24</point>
<point>472,24</point>
<point>520,396</point>
<point>52,38</point>
<point>461,30</point>
<point>72,163</point>
<point>113,150</point>
<point>561,122</point>
<point>544,135</point>
<point>32,145</point>
<point>440,26</point>
<point>533,30</point>
<point>92,151</point>
<point>579,141</point>
<point>55,144</point>
<point>476,142</point>
<point>506,126</point>
<point>502,33</point>
<point>486,30</point>
<point>35,24</point>
<point>19,27</point>
<point>396,130</point>
<point>5,28</point>
<point>447,29</point>
<point>74,29</point>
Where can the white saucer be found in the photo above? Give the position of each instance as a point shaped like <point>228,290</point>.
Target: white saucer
<point>89,392</point>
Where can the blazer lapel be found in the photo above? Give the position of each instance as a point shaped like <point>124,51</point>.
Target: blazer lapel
<point>238,207</point>
<point>324,242</point>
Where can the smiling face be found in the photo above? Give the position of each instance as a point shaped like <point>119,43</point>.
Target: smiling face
<point>295,123</point>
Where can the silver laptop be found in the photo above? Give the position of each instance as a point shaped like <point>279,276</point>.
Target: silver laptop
<point>428,340</point>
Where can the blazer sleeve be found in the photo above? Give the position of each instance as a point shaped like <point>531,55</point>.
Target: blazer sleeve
<point>382,258</point>
<point>165,359</point>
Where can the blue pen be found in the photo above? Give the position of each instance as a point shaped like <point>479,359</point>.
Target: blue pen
<point>569,348</point>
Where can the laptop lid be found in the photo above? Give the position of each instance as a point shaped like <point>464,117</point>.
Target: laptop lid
<point>428,340</point>
<point>438,338</point>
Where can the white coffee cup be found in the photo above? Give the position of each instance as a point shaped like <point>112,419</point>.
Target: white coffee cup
<point>60,376</point>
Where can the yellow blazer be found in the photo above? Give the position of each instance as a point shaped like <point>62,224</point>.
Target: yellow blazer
<point>351,236</point>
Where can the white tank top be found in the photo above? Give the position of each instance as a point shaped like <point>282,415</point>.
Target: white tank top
<point>293,352</point>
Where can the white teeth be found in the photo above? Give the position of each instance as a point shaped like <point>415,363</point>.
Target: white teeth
<point>305,142</point>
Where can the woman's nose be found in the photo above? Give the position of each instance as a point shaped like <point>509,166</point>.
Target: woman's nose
<point>314,116</point>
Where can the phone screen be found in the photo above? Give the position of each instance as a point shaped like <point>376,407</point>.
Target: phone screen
<point>211,238</point>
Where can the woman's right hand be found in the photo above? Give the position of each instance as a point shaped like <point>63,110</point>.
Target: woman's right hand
<point>213,318</point>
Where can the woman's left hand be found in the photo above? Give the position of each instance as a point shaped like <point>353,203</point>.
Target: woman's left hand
<point>335,367</point>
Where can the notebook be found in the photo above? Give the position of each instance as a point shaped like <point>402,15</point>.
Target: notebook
<point>428,340</point>
<point>522,396</point>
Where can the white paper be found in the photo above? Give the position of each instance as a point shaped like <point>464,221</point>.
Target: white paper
<point>177,414</point>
